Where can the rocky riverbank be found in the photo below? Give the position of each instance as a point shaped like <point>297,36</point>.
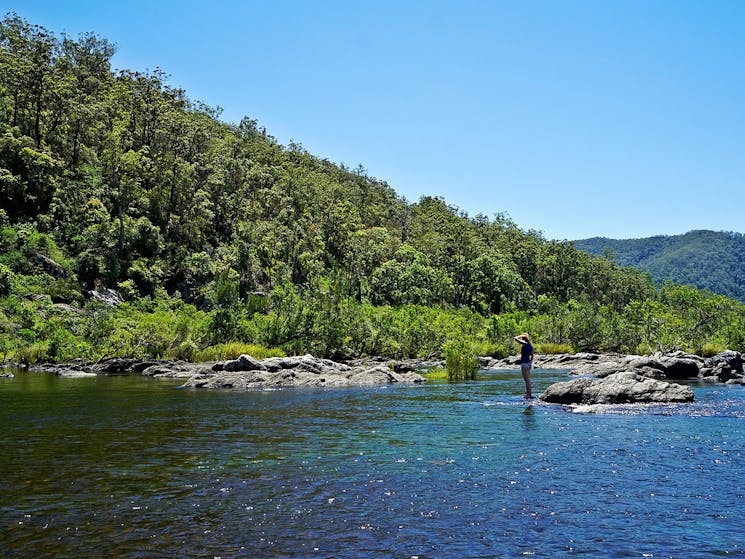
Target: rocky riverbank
<point>247,373</point>
<point>725,367</point>
<point>606,378</point>
<point>622,379</point>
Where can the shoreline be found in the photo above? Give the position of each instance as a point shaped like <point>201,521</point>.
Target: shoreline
<point>248,373</point>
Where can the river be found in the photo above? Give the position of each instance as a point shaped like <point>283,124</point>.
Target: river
<point>131,467</point>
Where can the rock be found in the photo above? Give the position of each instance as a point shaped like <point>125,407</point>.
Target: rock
<point>306,370</point>
<point>178,369</point>
<point>114,366</point>
<point>243,363</point>
<point>731,358</point>
<point>726,366</point>
<point>6,375</point>
<point>106,296</point>
<point>75,374</point>
<point>618,388</point>
<point>50,267</point>
<point>680,366</point>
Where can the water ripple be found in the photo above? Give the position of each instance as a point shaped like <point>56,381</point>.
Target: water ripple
<point>131,468</point>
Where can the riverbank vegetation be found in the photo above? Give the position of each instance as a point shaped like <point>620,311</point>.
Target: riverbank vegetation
<point>212,236</point>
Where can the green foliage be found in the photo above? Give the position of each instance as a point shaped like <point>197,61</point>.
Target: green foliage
<point>233,350</point>
<point>435,374</point>
<point>552,349</point>
<point>461,361</point>
<point>217,237</point>
<point>702,259</point>
<point>6,280</point>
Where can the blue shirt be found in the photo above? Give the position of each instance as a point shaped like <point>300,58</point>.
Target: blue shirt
<point>526,350</point>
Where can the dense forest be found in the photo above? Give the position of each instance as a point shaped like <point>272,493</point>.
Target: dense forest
<point>208,236</point>
<point>712,260</point>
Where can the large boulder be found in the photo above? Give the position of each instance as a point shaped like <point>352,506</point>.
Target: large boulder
<point>618,388</point>
<point>120,366</point>
<point>243,363</point>
<point>726,366</point>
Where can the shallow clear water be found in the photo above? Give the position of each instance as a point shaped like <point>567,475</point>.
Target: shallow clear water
<point>138,468</point>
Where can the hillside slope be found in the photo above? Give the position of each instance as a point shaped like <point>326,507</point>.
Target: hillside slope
<point>704,259</point>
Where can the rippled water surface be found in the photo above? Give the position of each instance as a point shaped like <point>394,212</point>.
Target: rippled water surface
<point>138,468</point>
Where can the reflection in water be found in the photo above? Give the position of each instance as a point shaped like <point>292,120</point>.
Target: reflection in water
<point>132,467</point>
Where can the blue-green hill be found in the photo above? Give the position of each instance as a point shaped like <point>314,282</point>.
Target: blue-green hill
<point>713,260</point>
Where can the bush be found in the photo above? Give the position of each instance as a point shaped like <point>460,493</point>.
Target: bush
<point>461,361</point>
<point>233,350</point>
<point>553,349</point>
<point>186,351</point>
<point>711,349</point>
<point>437,373</point>
<point>491,349</point>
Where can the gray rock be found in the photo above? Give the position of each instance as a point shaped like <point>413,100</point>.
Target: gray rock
<point>106,296</point>
<point>679,367</point>
<point>179,369</point>
<point>244,363</point>
<point>75,374</point>
<point>724,367</point>
<point>731,358</point>
<point>49,266</point>
<point>114,366</point>
<point>618,388</point>
<point>306,370</point>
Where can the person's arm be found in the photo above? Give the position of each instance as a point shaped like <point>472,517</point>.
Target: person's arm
<point>519,340</point>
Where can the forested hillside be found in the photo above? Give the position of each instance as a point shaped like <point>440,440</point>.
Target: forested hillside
<point>214,234</point>
<point>704,259</point>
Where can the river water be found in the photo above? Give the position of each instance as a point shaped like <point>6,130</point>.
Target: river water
<point>129,467</point>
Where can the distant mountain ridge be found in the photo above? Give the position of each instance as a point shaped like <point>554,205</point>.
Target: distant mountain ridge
<point>713,260</point>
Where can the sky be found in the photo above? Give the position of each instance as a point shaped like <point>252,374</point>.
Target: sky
<point>576,118</point>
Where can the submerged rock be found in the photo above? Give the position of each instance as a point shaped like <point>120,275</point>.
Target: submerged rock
<point>618,388</point>
<point>76,374</point>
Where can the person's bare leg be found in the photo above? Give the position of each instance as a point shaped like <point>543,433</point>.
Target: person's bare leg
<point>525,369</point>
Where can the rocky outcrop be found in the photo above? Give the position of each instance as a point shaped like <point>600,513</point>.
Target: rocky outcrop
<point>105,296</point>
<point>176,369</point>
<point>617,388</point>
<point>246,373</point>
<point>724,367</point>
<point>120,366</point>
<point>49,266</point>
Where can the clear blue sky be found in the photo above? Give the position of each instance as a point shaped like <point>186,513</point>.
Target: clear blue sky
<point>576,118</point>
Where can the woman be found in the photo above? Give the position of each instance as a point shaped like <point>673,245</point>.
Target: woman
<point>526,361</point>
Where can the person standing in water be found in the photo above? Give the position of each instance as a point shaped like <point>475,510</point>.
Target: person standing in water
<point>526,361</point>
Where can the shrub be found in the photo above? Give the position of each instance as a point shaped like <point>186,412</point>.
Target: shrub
<point>186,351</point>
<point>438,373</point>
<point>711,349</point>
<point>233,350</point>
<point>553,349</point>
<point>491,349</point>
<point>461,362</point>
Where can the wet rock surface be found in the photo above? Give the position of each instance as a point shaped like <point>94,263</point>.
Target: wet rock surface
<point>618,388</point>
